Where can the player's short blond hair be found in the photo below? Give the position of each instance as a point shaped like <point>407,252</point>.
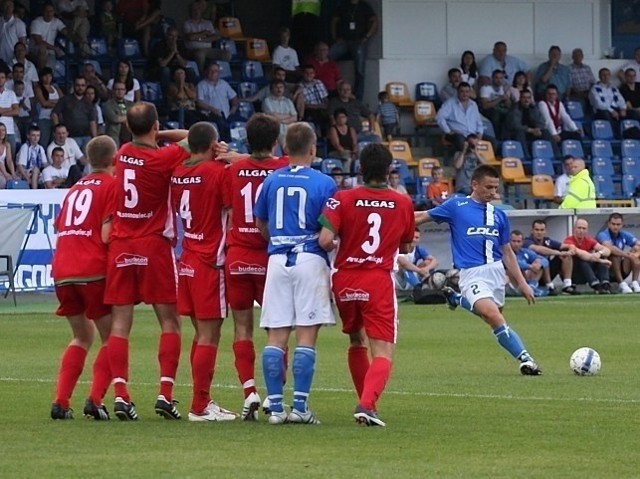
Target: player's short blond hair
<point>100,152</point>
<point>300,138</point>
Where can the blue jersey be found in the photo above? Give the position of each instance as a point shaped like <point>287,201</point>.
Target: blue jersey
<point>291,202</point>
<point>525,258</point>
<point>623,239</point>
<point>478,231</point>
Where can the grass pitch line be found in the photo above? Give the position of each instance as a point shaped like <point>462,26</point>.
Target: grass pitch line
<point>506,397</point>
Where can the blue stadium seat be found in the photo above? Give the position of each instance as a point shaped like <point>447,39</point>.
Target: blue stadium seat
<point>252,71</point>
<point>601,166</point>
<point>247,89</point>
<point>513,149</point>
<point>151,92</point>
<point>542,149</point>
<point>602,130</point>
<point>626,124</point>
<point>239,146</point>
<point>98,48</point>
<point>245,110</point>
<point>604,187</point>
<point>542,166</point>
<point>602,149</point>
<point>129,49</point>
<point>631,165</point>
<point>17,185</point>
<point>488,128</point>
<point>225,70</point>
<point>228,45</point>
<point>238,130</point>
<point>629,184</point>
<point>630,148</point>
<point>420,197</point>
<point>96,66</point>
<point>574,108</point>
<point>401,167</point>
<point>427,91</point>
<point>573,148</point>
<point>329,164</point>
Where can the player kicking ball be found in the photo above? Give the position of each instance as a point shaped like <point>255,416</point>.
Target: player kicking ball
<point>480,236</point>
<point>79,269</point>
<point>372,223</point>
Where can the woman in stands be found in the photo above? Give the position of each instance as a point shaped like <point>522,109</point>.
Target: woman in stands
<point>343,139</point>
<point>7,168</point>
<point>469,68</point>
<point>520,83</point>
<point>182,95</point>
<point>125,75</point>
<point>47,95</point>
<point>91,94</point>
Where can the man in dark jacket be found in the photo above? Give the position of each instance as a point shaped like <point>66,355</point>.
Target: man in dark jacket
<point>525,123</point>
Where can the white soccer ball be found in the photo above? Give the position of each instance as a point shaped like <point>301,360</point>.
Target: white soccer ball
<point>437,280</point>
<point>585,362</point>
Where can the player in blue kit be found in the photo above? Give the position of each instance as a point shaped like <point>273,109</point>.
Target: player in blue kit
<point>481,250</point>
<point>623,262</point>
<point>297,289</point>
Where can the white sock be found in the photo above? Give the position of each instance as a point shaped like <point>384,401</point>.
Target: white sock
<point>550,286</point>
<point>566,282</point>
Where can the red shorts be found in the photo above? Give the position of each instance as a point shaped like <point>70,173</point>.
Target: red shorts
<point>201,288</point>
<point>367,298</point>
<point>141,270</point>
<point>245,272</point>
<point>79,298</point>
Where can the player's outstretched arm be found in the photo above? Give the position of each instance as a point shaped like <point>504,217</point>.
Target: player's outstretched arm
<point>327,239</point>
<point>422,217</point>
<point>511,264</point>
<point>173,136</point>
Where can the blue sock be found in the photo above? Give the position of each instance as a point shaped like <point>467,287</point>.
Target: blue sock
<point>463,303</point>
<point>304,362</point>
<point>273,370</point>
<point>510,341</point>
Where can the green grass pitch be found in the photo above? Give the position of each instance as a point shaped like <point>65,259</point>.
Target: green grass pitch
<point>456,405</point>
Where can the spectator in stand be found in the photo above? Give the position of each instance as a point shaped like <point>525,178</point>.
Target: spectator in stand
<point>356,110</point>
<point>414,267</point>
<point>55,175</point>
<point>149,25</point>
<point>92,95</point>
<point>525,123</point>
<point>93,79</point>
<point>343,140</point>
<point>532,265</point>
<point>459,117</point>
<point>556,119</point>
<point>633,64</point>
<point>352,26</point>
<point>12,31</point>
<point>581,192</point>
<point>465,161</point>
<point>606,100</point>
<point>25,115</point>
<point>280,107</point>
<point>395,183</point>
<point>109,25</point>
<point>387,116</point>
<point>73,159</point>
<point>552,72</point>
<point>590,263</point>
<point>315,98</point>
<point>630,91</point>
<point>284,56</point>
<point>20,56</point>
<point>9,110</point>
<point>115,114</point>
<point>438,190</point>
<point>200,35</point>
<point>561,183</point>
<point>559,255</point>
<point>338,176</point>
<point>47,96</point>
<point>623,262</point>
<point>32,158</point>
<point>469,69</point>
<point>495,101</point>
<point>78,113</point>
<point>499,60</point>
<point>181,99</point>
<point>130,12</point>
<point>7,166</point>
<point>167,55</point>
<point>18,75</point>
<point>44,30</point>
<point>582,79</point>
<point>450,90</point>
<point>326,70</point>
<point>217,100</point>
<point>125,75</point>
<point>290,90</point>
<point>79,26</point>
<point>520,84</point>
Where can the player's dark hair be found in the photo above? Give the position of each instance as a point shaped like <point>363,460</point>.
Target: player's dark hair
<point>615,216</point>
<point>58,126</point>
<point>375,160</point>
<point>484,171</point>
<point>300,138</point>
<point>539,222</point>
<point>141,118</point>
<point>463,84</point>
<point>517,233</point>
<point>339,111</point>
<point>100,152</point>
<point>201,136</point>
<point>57,148</point>
<point>262,132</point>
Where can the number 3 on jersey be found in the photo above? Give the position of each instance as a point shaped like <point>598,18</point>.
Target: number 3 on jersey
<point>370,246</point>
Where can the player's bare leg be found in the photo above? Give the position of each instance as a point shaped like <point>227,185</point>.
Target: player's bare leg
<point>635,270</point>
<point>168,358</point>
<point>375,382</point>
<point>273,370</point>
<point>358,359</point>
<point>94,407</point>
<point>72,364</point>
<point>245,358</point>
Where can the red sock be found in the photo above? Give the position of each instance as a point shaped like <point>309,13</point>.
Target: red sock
<point>194,343</point>
<point>119,363</point>
<point>358,359</point>
<point>168,357</point>
<point>204,363</point>
<point>101,376</point>
<point>285,360</point>
<point>374,382</point>
<point>71,366</point>
<point>245,355</point>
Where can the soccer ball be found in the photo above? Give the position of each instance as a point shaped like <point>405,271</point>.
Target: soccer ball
<point>437,280</point>
<point>453,276</point>
<point>585,362</point>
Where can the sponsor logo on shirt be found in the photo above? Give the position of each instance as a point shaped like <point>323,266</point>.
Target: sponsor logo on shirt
<point>131,160</point>
<point>255,173</point>
<point>374,259</point>
<point>129,259</point>
<point>332,203</point>
<point>240,267</point>
<point>189,180</point>
<point>348,294</point>
<point>76,232</point>
<point>376,203</point>
<point>186,270</point>
<point>482,230</point>
<point>89,182</point>
<point>461,203</point>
